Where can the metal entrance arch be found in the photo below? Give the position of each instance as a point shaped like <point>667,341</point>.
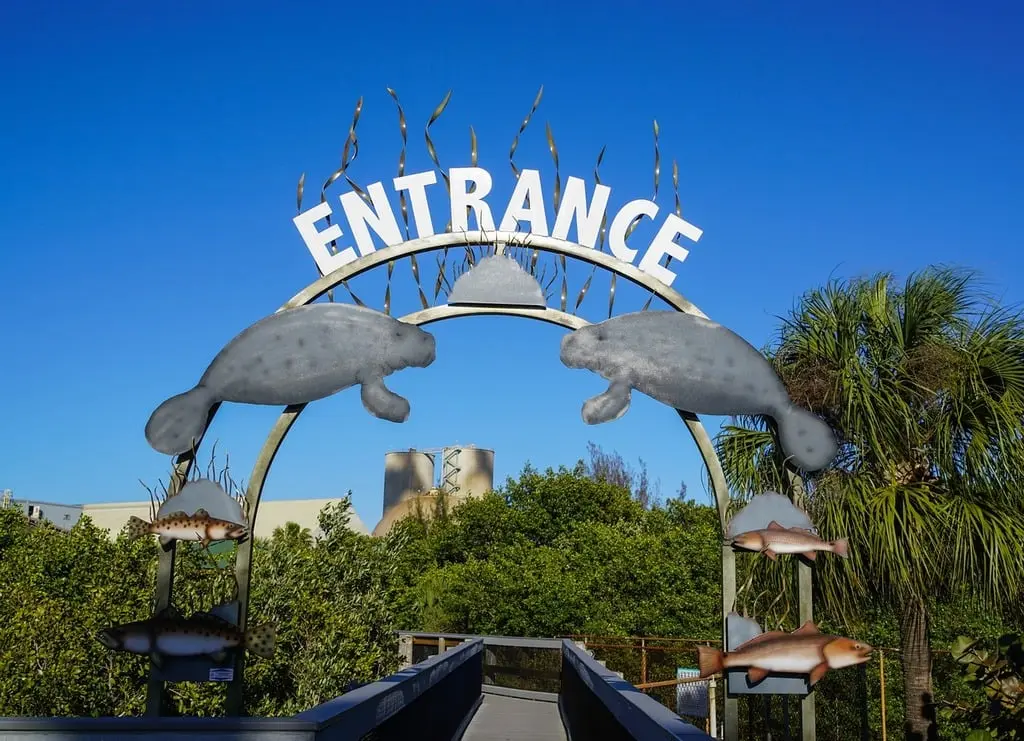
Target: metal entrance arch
<point>499,241</point>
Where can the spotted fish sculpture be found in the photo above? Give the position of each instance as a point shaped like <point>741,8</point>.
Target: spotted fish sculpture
<point>297,356</point>
<point>168,633</point>
<point>696,365</point>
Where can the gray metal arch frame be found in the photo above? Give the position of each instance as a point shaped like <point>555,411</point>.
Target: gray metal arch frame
<point>499,241</point>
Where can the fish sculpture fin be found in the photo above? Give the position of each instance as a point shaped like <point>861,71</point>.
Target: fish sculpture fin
<point>260,640</point>
<point>137,528</point>
<point>810,555</point>
<point>227,612</point>
<point>202,514</point>
<point>165,539</point>
<point>168,613</point>
<point>773,525</point>
<point>760,638</point>
<point>771,554</point>
<point>383,403</point>
<point>157,659</point>
<point>607,406</point>
<point>755,674</point>
<point>176,514</point>
<point>808,628</point>
<point>709,660</point>
<point>817,673</point>
<point>841,548</point>
<point>213,617</point>
<point>219,656</point>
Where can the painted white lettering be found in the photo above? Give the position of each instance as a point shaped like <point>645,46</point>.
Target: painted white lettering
<point>574,206</point>
<point>664,244</point>
<point>416,184</point>
<point>379,217</point>
<point>526,204</point>
<point>461,200</point>
<point>317,242</point>
<point>621,222</point>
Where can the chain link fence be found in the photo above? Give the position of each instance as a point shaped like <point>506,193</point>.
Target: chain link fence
<point>856,704</point>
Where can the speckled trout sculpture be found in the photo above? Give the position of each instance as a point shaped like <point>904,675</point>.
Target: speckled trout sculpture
<point>182,526</point>
<point>204,634</point>
<point>294,357</point>
<point>695,365</point>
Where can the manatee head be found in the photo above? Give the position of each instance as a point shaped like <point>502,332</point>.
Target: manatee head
<point>579,349</point>
<point>410,346</point>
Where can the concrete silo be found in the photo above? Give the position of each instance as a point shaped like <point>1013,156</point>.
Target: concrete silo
<point>407,475</point>
<point>466,471</point>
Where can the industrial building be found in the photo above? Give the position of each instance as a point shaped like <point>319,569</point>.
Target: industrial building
<point>411,480</point>
<point>113,516</point>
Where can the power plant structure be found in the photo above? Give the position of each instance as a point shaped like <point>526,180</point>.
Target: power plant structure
<point>411,480</point>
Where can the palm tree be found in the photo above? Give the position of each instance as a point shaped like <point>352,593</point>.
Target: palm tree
<point>924,385</point>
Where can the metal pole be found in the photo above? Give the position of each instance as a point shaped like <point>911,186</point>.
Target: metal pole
<point>643,661</point>
<point>712,708</point>
<point>881,681</point>
<point>731,705</point>
<point>805,591</point>
<point>864,733</point>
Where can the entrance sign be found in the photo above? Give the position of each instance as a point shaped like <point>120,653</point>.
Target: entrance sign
<point>469,187</point>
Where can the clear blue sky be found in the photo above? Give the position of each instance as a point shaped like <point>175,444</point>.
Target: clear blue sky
<point>151,152</point>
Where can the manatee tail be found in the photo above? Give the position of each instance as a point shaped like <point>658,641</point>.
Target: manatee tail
<point>260,640</point>
<point>806,438</point>
<point>709,660</point>
<point>137,528</point>
<point>180,422</point>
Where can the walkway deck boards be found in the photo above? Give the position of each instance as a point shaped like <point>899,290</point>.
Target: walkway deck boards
<point>513,719</point>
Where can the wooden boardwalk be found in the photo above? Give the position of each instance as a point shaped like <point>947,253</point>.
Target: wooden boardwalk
<point>504,718</point>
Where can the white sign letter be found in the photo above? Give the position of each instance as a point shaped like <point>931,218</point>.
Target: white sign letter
<point>621,222</point>
<point>461,200</point>
<point>664,244</point>
<point>417,184</point>
<point>574,206</point>
<point>380,218</point>
<point>317,242</point>
<point>527,188</point>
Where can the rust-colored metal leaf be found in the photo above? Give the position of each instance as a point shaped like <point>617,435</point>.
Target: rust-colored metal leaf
<point>522,128</point>
<point>352,294</point>
<point>403,203</point>
<point>583,291</point>
<point>419,285</point>
<point>430,142</point>
<point>554,156</point>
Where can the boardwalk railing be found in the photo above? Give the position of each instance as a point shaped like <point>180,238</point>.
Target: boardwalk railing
<point>434,699</point>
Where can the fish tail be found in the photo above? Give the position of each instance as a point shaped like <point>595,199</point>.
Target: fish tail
<point>841,547</point>
<point>136,528</point>
<point>806,438</point>
<point>709,660</point>
<point>260,640</point>
<point>178,424</point>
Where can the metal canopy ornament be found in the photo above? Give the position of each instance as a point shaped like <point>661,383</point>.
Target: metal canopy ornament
<point>471,274</point>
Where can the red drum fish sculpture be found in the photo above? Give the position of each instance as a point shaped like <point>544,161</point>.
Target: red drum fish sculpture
<point>804,651</point>
<point>777,539</point>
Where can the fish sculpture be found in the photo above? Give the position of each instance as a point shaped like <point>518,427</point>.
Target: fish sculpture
<point>203,634</point>
<point>182,526</point>
<point>297,356</point>
<point>777,539</point>
<point>804,651</point>
<point>695,365</point>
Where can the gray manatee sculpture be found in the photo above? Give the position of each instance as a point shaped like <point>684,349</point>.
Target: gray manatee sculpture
<point>294,357</point>
<point>696,365</point>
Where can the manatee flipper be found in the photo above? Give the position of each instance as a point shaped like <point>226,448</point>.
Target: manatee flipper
<point>806,438</point>
<point>382,402</point>
<point>180,422</point>
<point>607,406</point>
